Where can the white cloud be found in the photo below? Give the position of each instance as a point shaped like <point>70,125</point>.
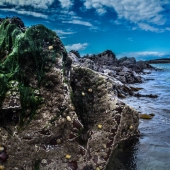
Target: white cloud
<point>148,53</point>
<point>35,14</point>
<point>143,54</point>
<point>76,47</point>
<point>167,28</point>
<point>43,4</point>
<point>85,23</point>
<point>135,11</point>
<point>116,22</point>
<point>147,27</point>
<point>101,11</point>
<point>61,32</point>
<point>130,39</point>
<point>66,3</point>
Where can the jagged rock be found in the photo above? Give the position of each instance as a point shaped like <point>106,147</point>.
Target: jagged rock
<point>102,115</point>
<point>127,61</point>
<point>124,69</point>
<point>76,53</point>
<point>106,58</point>
<point>63,122</point>
<point>86,62</point>
<point>75,59</point>
<point>143,65</point>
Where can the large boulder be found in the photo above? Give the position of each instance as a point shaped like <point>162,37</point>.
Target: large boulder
<point>107,58</point>
<point>49,119</point>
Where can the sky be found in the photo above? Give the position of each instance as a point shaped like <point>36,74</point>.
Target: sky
<point>133,28</point>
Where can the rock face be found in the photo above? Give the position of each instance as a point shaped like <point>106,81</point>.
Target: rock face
<point>54,115</point>
<point>124,70</point>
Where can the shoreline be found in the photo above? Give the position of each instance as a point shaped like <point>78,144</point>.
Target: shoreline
<point>152,149</point>
<point>159,61</point>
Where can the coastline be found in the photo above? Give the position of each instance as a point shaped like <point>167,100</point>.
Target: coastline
<point>151,151</point>
<point>159,61</point>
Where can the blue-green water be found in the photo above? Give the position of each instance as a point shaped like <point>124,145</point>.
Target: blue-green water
<point>152,151</point>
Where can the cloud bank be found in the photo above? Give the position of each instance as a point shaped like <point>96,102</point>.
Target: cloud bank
<point>145,55</point>
<point>145,14</point>
<point>76,47</point>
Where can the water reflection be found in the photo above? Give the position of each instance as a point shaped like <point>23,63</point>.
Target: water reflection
<point>124,157</point>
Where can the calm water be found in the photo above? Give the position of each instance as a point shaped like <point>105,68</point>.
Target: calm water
<point>152,151</point>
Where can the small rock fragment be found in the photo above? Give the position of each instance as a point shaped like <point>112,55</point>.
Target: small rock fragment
<point>44,161</point>
<point>131,127</point>
<point>2,167</point>
<point>104,146</point>
<point>58,141</point>
<point>68,156</point>
<point>68,118</point>
<point>2,148</point>
<point>90,90</point>
<point>50,47</point>
<point>99,126</point>
<point>152,114</point>
<point>83,94</point>
<point>72,108</point>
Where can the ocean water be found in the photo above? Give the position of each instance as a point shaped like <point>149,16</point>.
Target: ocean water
<point>152,150</point>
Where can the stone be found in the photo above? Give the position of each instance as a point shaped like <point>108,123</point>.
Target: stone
<point>145,116</point>
<point>49,90</point>
<point>99,126</point>
<point>68,156</point>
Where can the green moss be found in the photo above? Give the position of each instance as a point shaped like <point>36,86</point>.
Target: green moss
<point>145,116</point>
<point>29,100</point>
<point>25,55</point>
<point>36,164</point>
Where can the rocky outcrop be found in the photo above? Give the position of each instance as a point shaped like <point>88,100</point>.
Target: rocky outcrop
<point>54,115</point>
<point>158,61</point>
<point>124,69</point>
<point>125,61</point>
<point>107,58</point>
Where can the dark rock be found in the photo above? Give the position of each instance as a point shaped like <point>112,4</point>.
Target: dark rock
<point>69,115</point>
<point>145,95</point>
<point>107,58</point>
<point>127,61</point>
<point>76,53</point>
<point>143,65</point>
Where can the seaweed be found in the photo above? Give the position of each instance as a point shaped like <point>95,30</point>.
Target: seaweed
<point>25,57</point>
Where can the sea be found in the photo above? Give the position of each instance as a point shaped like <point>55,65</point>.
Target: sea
<point>152,150</point>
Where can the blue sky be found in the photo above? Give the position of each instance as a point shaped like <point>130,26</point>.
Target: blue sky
<point>133,28</point>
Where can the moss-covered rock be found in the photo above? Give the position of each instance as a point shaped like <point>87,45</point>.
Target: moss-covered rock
<point>48,121</point>
<point>26,55</point>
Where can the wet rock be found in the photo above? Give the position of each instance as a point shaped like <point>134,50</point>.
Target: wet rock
<point>145,95</point>
<point>152,114</point>
<point>145,116</point>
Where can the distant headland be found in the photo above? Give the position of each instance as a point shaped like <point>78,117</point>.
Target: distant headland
<point>158,61</point>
